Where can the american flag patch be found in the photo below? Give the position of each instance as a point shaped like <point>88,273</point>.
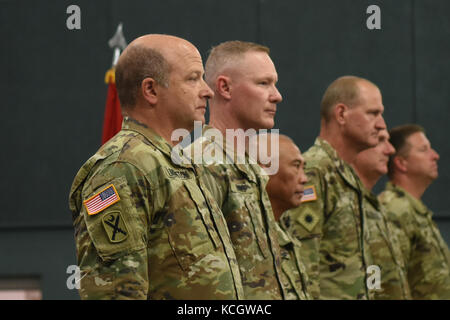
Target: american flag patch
<point>309,194</point>
<point>101,200</point>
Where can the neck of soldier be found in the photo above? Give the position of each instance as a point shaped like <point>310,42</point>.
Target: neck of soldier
<point>413,185</point>
<point>221,119</point>
<point>345,149</point>
<point>220,116</point>
<point>161,125</point>
<point>277,209</point>
<point>368,179</point>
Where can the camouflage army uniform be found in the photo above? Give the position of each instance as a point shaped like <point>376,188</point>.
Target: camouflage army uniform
<point>425,252</point>
<point>164,239</point>
<point>384,251</point>
<point>295,278</point>
<point>328,226</point>
<point>240,190</point>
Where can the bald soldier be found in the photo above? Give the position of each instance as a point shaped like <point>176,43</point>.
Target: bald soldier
<point>243,78</point>
<point>144,227</point>
<point>382,243</point>
<point>329,222</point>
<point>285,189</point>
<point>411,170</point>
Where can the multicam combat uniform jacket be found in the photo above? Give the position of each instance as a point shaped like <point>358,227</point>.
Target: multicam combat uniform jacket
<point>240,189</point>
<point>295,278</point>
<point>384,251</point>
<point>328,226</point>
<point>425,252</point>
<point>164,239</point>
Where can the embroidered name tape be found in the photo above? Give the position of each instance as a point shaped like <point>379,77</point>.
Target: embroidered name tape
<point>309,194</point>
<point>177,174</point>
<point>101,200</point>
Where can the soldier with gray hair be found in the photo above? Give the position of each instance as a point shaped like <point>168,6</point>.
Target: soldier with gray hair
<point>145,228</point>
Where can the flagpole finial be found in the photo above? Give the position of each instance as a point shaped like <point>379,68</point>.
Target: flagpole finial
<point>117,43</point>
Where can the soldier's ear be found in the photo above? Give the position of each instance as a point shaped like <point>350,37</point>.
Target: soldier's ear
<point>340,113</point>
<point>149,90</point>
<point>400,164</point>
<point>223,87</point>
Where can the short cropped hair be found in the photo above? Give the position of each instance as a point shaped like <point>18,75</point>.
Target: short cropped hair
<point>137,64</point>
<point>345,90</point>
<point>220,55</point>
<point>398,137</point>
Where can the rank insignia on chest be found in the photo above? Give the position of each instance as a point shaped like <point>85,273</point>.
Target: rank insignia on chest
<point>309,194</point>
<point>102,200</point>
<point>115,227</point>
<point>308,220</point>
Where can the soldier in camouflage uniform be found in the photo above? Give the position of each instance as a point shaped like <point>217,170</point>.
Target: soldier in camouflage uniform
<point>411,170</point>
<point>382,243</point>
<point>285,190</point>
<point>329,222</point>
<point>243,78</point>
<point>145,227</point>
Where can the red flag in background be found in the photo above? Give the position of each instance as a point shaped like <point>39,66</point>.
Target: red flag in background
<point>112,122</point>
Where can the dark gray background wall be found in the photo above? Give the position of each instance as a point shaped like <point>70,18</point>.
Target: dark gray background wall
<point>53,92</point>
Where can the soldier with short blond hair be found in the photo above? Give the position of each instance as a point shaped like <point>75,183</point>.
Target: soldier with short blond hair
<point>243,78</point>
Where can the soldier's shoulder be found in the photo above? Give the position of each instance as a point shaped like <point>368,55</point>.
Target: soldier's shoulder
<point>317,160</point>
<point>135,148</point>
<point>315,154</point>
<point>395,203</point>
<point>122,156</point>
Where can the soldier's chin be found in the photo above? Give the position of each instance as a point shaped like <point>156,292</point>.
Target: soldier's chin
<point>382,170</point>
<point>435,175</point>
<point>372,142</point>
<point>267,123</point>
<point>200,118</point>
<point>296,201</point>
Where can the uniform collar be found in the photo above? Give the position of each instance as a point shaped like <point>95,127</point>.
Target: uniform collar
<point>155,139</point>
<point>283,237</point>
<point>371,197</point>
<point>417,204</point>
<point>342,167</point>
<point>249,170</point>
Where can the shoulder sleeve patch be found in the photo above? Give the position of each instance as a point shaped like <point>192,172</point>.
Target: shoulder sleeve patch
<point>309,194</point>
<point>102,200</point>
<point>115,227</point>
<point>308,220</point>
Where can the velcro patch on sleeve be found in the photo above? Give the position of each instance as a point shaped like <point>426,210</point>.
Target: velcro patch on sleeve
<point>102,200</point>
<point>115,227</point>
<point>308,220</point>
<point>309,194</point>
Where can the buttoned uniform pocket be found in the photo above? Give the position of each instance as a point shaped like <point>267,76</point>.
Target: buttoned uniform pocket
<point>244,216</point>
<point>341,232</point>
<point>118,229</point>
<point>191,232</point>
